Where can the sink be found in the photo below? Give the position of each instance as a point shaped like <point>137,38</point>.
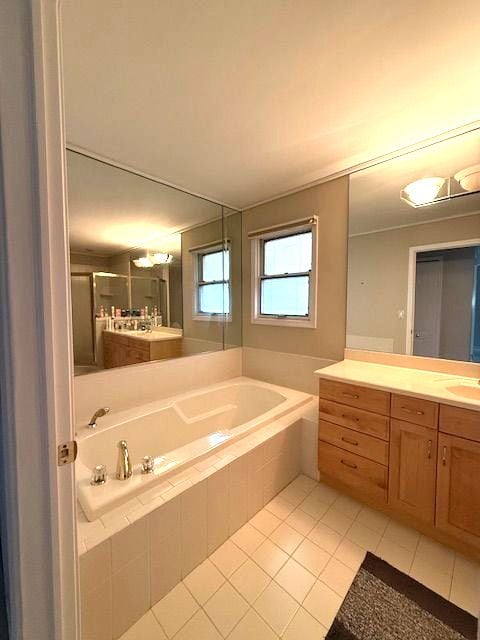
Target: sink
<point>462,387</point>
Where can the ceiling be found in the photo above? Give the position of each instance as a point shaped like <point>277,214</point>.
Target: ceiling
<point>242,101</point>
<point>375,202</point>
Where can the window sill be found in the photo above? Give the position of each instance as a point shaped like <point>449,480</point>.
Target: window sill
<point>285,322</point>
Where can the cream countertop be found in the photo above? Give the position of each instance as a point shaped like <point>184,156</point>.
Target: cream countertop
<point>412,382</point>
<point>154,336</point>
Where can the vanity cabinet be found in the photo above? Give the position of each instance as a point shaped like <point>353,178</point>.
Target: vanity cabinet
<point>122,350</point>
<point>412,469</point>
<point>412,458</point>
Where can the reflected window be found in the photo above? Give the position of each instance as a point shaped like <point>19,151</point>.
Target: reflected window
<point>283,267</point>
<point>213,282</point>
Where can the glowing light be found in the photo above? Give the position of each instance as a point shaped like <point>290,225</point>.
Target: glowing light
<point>144,262</point>
<point>422,191</point>
<point>161,258</point>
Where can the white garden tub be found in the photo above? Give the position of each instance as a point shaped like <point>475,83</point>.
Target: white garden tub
<point>177,432</point>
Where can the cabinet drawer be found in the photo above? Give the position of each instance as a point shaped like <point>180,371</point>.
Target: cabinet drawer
<point>135,356</point>
<point>367,422</point>
<point>355,396</point>
<point>460,422</point>
<point>359,443</point>
<point>365,476</point>
<point>415,410</point>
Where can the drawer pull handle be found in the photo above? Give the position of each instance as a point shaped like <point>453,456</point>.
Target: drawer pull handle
<point>415,412</point>
<point>347,416</point>
<point>429,449</point>
<point>351,465</point>
<point>353,396</point>
<point>348,441</point>
<point>444,456</point>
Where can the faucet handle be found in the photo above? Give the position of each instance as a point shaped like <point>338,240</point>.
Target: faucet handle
<point>99,475</point>
<point>148,464</point>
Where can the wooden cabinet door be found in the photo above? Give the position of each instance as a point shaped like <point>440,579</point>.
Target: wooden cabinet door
<point>412,470</point>
<point>458,488</point>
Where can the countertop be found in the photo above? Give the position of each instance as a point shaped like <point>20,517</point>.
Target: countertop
<point>412,382</point>
<point>154,336</point>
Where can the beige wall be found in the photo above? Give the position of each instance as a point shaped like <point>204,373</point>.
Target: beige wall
<point>378,275</point>
<point>328,201</point>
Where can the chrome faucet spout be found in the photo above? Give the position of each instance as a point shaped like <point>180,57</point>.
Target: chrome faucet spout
<point>124,466</point>
<point>99,413</point>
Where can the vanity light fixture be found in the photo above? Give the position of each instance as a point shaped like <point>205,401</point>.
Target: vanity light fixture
<point>469,178</point>
<point>144,262</point>
<point>151,260</point>
<point>422,192</point>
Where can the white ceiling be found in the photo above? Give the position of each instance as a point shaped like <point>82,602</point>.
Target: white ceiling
<point>243,100</point>
<point>375,202</point>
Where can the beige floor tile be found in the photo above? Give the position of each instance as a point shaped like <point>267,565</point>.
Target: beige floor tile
<point>286,538</point>
<point>198,628</point>
<point>337,520</point>
<point>326,538</point>
<point>270,557</point>
<point>304,483</point>
<point>399,557</point>
<point>304,627</point>
<point>276,607</point>
<point>226,608</point>
<point>295,579</point>
<point>433,576</point>
<point>350,554</point>
<point>203,581</point>
<point>175,609</point>
<point>250,580</point>
<point>228,558</point>
<point>338,577</point>
<point>348,506</point>
<point>147,628</point>
<point>323,604</point>
<point>402,535</point>
<point>325,494</point>
<point>373,519</point>
<point>301,521</point>
<point>294,495</point>
<point>312,557</point>
<point>364,537</point>
<point>265,522</point>
<point>314,506</point>
<point>429,550</point>
<point>465,590</point>
<point>280,507</point>
<point>252,627</point>
<point>248,538</point>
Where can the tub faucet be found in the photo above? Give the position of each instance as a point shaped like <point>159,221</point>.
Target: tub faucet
<point>124,467</point>
<point>99,413</point>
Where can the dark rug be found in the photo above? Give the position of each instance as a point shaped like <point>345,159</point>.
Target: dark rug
<point>385,604</point>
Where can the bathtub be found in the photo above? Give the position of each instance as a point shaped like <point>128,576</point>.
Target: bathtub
<point>177,432</point>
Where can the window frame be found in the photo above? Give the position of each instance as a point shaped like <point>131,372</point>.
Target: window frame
<point>257,243</point>
<point>198,254</point>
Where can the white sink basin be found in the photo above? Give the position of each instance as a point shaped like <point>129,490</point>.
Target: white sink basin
<point>462,387</point>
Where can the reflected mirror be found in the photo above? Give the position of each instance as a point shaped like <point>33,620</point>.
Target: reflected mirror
<point>414,253</point>
<point>155,271</point>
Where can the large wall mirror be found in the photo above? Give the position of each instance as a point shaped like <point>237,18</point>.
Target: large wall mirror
<point>155,271</point>
<point>414,253</point>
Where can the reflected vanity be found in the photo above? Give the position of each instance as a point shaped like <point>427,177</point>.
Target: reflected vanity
<point>155,271</point>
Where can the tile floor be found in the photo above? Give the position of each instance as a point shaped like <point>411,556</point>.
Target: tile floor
<point>285,573</point>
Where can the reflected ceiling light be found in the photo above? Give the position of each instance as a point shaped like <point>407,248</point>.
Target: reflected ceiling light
<point>469,178</point>
<point>144,262</point>
<point>422,192</point>
<point>161,258</point>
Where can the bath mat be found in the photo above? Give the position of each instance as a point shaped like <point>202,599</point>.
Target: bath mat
<point>385,604</point>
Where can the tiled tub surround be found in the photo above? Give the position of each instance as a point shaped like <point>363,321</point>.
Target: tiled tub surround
<point>135,554</point>
<point>177,432</point>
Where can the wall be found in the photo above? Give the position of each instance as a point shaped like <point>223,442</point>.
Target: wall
<point>378,275</point>
<point>325,343</point>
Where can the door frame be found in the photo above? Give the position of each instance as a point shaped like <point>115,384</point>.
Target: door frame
<point>37,503</point>
<point>412,269</point>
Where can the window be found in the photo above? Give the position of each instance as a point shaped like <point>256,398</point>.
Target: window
<point>212,283</point>
<point>283,275</point>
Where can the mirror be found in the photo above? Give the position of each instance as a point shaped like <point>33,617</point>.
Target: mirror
<point>155,271</point>
<point>414,253</point>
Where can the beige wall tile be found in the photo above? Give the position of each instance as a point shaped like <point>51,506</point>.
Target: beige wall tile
<point>217,509</point>
<point>194,527</point>
<point>129,543</point>
<point>96,611</point>
<point>131,594</point>
<point>165,567</point>
<point>95,566</point>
